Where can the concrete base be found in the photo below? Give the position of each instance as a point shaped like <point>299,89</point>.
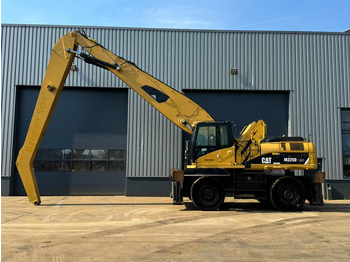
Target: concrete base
<point>153,186</point>
<point>6,186</point>
<point>148,186</point>
<point>337,189</point>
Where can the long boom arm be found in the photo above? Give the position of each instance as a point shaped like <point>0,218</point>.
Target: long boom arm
<point>178,108</point>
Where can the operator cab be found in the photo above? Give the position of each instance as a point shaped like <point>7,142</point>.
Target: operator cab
<point>208,137</point>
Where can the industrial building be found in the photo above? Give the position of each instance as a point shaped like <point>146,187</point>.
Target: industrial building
<point>103,139</point>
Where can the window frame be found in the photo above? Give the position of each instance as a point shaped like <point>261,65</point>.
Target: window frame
<point>345,130</point>
<point>47,160</point>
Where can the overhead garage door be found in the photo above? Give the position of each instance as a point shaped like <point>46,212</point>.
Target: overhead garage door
<point>83,150</point>
<point>243,107</point>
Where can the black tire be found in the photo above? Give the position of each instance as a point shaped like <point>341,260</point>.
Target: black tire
<point>207,193</point>
<point>287,194</point>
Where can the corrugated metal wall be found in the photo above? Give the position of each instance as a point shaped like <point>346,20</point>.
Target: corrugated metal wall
<point>314,66</point>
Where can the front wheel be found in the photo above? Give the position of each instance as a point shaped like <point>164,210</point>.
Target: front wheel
<point>207,193</point>
<point>287,194</point>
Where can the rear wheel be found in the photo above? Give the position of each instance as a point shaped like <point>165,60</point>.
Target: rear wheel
<point>287,194</point>
<point>207,193</point>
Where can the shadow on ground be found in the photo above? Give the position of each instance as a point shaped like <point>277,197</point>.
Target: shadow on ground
<point>227,206</point>
<point>258,207</point>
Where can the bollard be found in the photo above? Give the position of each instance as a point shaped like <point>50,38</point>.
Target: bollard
<point>329,192</point>
<point>177,177</point>
<point>177,193</point>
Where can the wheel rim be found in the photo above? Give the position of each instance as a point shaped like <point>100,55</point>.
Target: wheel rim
<point>289,196</point>
<point>208,195</point>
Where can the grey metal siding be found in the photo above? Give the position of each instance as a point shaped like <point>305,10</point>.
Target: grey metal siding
<point>244,107</point>
<point>314,67</point>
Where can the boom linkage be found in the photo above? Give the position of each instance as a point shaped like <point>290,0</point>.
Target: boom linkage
<point>179,109</point>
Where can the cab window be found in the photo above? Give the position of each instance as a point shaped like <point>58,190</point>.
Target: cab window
<point>206,136</point>
<point>224,137</point>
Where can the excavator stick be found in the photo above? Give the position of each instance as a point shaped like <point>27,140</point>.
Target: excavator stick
<point>55,77</point>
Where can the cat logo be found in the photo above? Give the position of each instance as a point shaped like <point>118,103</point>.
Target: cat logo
<point>266,160</point>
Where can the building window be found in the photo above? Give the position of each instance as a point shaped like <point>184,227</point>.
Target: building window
<point>345,128</point>
<point>80,160</point>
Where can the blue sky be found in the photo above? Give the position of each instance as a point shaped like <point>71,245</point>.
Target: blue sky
<point>282,15</point>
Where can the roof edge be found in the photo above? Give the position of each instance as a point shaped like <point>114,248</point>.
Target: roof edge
<point>176,29</point>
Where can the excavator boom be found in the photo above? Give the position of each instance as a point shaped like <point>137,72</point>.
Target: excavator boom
<point>179,109</point>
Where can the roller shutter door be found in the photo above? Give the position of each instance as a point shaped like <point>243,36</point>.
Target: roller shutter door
<point>83,150</point>
<point>243,107</point>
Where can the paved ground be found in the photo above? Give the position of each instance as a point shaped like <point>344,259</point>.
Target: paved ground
<point>152,229</point>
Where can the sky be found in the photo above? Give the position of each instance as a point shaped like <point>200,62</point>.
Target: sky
<point>275,15</point>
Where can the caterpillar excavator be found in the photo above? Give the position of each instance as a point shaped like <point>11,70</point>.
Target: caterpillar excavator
<point>217,163</point>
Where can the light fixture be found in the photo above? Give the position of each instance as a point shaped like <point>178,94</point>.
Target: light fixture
<point>234,71</point>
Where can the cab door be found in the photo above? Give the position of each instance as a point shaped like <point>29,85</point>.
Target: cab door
<point>209,137</point>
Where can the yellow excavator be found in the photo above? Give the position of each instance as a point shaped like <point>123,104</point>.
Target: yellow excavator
<point>217,163</point>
